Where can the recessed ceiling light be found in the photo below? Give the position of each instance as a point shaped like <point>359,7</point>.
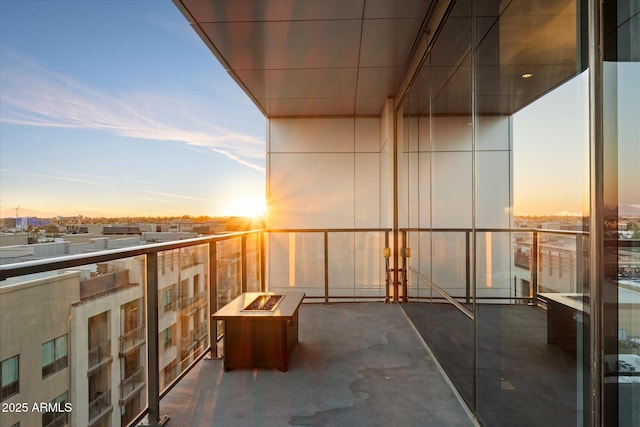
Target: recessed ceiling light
<point>526,75</point>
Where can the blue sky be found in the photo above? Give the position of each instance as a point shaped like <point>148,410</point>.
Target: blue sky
<point>117,108</point>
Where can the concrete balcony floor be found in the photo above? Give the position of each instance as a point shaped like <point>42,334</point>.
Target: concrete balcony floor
<point>357,364</point>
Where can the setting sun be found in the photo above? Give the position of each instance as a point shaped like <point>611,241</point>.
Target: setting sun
<point>248,206</point>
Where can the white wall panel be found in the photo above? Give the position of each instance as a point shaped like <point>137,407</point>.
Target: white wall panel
<point>367,190</point>
<point>494,133</point>
<point>451,133</point>
<point>413,202</point>
<point>493,201</point>
<point>424,196</point>
<point>451,189</point>
<point>312,135</point>
<point>367,135</point>
<point>311,191</point>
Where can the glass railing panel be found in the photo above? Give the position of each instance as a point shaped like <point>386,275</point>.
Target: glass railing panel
<point>420,261</point>
<point>253,261</point>
<point>449,261</point>
<point>228,270</point>
<point>496,281</point>
<point>183,312</point>
<point>296,262</point>
<point>341,265</point>
<point>557,263</point>
<point>369,279</point>
<point>75,332</point>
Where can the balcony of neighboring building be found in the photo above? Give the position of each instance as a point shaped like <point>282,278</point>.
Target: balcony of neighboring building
<point>132,340</point>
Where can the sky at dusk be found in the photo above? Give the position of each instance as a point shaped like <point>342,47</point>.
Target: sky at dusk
<point>117,108</point>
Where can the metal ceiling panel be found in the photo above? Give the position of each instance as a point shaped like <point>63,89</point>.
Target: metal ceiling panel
<point>393,9</point>
<point>378,81</point>
<point>288,44</point>
<point>346,57</point>
<point>310,107</point>
<point>311,57</point>
<point>388,42</point>
<point>273,10</point>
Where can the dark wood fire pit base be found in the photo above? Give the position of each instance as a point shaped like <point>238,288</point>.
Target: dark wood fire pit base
<point>260,338</point>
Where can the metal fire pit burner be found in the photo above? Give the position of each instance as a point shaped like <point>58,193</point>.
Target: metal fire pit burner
<point>264,303</point>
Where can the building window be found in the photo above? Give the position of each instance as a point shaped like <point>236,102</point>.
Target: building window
<point>54,355</point>
<point>168,298</point>
<point>58,413</point>
<point>166,338</point>
<point>9,381</point>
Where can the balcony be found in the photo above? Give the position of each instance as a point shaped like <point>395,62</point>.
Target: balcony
<point>132,340</point>
<point>355,363</point>
<point>99,355</point>
<point>131,385</point>
<point>100,407</point>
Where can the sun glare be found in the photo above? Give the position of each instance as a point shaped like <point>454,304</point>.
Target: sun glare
<point>250,206</point>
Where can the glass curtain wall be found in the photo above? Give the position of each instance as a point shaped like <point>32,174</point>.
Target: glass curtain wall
<point>493,197</point>
<point>621,184</point>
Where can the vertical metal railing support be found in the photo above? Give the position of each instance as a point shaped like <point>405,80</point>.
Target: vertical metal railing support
<point>579,273</point>
<point>406,253</point>
<point>263,260</point>
<point>467,280</point>
<point>153,359</point>
<point>535,253</point>
<point>243,261</point>
<point>326,267</point>
<point>213,297</point>
<point>387,273</point>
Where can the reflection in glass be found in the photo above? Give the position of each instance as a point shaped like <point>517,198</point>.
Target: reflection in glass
<point>183,317</point>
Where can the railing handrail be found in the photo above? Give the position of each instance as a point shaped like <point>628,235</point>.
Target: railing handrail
<point>443,293</point>
<point>137,374</point>
<point>328,230</point>
<point>136,333</point>
<point>494,230</point>
<point>69,261</point>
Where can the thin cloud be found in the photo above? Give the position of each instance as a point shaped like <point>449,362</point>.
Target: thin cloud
<point>106,185</point>
<point>33,96</point>
<point>173,202</point>
<point>56,177</point>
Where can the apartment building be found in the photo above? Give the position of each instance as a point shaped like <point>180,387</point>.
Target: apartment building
<point>85,343</point>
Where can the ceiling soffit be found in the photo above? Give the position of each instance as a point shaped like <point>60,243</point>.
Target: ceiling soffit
<point>308,57</point>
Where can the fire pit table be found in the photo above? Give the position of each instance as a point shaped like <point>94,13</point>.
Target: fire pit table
<point>260,330</point>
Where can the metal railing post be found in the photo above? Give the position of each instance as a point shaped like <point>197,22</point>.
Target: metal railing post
<point>535,252</point>
<point>579,273</point>
<point>263,260</point>
<point>213,296</point>
<point>387,272</point>
<point>326,267</point>
<point>243,260</point>
<point>468,257</point>
<point>153,359</point>
<point>405,266</point>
